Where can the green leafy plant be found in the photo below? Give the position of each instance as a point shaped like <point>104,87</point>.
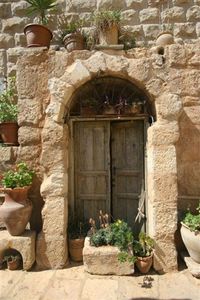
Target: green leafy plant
<point>192,221</point>
<point>117,234</point>
<point>19,176</point>
<point>40,7</point>
<point>71,27</point>
<point>144,246</point>
<point>105,19</point>
<point>8,106</point>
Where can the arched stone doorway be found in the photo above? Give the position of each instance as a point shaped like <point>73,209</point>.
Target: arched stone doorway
<point>161,155</point>
<point>108,119</point>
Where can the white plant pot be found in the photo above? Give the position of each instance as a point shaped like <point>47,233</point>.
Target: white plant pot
<point>191,240</point>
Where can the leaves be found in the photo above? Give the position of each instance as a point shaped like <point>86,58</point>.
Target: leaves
<point>40,7</point>
<point>193,221</point>
<point>8,107</point>
<point>19,177</point>
<point>105,19</point>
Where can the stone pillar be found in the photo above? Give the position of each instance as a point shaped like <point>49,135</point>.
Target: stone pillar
<point>162,181</point>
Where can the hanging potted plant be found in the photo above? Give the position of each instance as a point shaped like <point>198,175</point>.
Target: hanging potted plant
<point>190,233</point>
<point>8,114</point>
<point>107,26</point>
<point>16,209</point>
<point>72,37</point>
<point>143,249</point>
<point>38,35</point>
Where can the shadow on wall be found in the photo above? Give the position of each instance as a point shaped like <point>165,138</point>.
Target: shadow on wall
<point>37,201</point>
<point>188,166</point>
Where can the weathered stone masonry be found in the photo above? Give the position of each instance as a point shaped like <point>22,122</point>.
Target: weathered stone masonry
<point>45,99</point>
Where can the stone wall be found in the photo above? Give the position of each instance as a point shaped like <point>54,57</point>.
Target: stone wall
<point>142,17</point>
<point>171,82</point>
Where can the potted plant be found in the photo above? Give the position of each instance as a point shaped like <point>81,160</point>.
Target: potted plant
<point>108,250</point>
<point>13,261</point>
<point>107,26</point>
<point>76,233</point>
<point>143,249</point>
<point>190,233</point>
<point>165,37</point>
<point>72,37</point>
<point>8,114</point>
<point>89,106</point>
<point>16,209</point>
<point>38,35</point>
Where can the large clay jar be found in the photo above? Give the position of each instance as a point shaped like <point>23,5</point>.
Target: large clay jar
<point>165,38</point>
<point>16,210</point>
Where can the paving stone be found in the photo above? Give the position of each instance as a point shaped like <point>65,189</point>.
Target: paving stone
<point>101,289</point>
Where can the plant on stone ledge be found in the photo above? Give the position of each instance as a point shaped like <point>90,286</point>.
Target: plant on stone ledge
<point>117,234</point>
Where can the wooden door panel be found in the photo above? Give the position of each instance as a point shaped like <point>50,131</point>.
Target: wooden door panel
<point>127,170</point>
<point>92,169</point>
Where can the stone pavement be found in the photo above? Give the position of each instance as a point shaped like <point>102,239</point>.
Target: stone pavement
<point>75,284</point>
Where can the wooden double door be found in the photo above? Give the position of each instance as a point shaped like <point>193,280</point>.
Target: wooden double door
<point>109,170</point>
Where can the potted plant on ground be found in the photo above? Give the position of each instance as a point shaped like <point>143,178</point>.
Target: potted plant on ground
<point>13,261</point>
<point>190,232</point>
<point>8,114</point>
<point>16,209</point>
<point>38,35</point>
<point>76,232</point>
<point>107,26</point>
<point>109,249</point>
<point>143,249</point>
<point>72,37</point>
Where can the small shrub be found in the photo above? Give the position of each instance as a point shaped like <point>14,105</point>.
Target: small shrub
<point>192,221</point>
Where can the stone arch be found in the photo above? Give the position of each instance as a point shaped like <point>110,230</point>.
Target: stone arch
<point>52,251</point>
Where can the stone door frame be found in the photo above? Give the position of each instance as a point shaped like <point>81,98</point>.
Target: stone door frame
<point>161,156</point>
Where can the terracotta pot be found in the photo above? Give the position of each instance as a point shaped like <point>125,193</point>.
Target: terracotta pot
<point>88,111</point>
<point>109,36</point>
<point>76,249</point>
<point>73,41</point>
<point>144,263</point>
<point>13,264</point>
<point>191,240</point>
<point>165,38</point>
<point>37,35</point>
<point>110,110</point>
<point>9,133</point>
<point>15,212</point>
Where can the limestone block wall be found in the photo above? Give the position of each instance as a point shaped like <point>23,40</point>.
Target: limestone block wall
<point>46,81</point>
<point>142,17</point>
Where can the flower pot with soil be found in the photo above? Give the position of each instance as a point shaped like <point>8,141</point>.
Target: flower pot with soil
<point>143,249</point>
<point>8,114</point>
<point>38,35</point>
<point>16,209</point>
<point>13,262</point>
<point>107,26</point>
<point>77,232</point>
<point>190,233</point>
<point>72,37</point>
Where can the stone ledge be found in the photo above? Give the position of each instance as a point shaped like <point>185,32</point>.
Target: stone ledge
<point>193,266</point>
<point>104,260</point>
<point>25,244</point>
